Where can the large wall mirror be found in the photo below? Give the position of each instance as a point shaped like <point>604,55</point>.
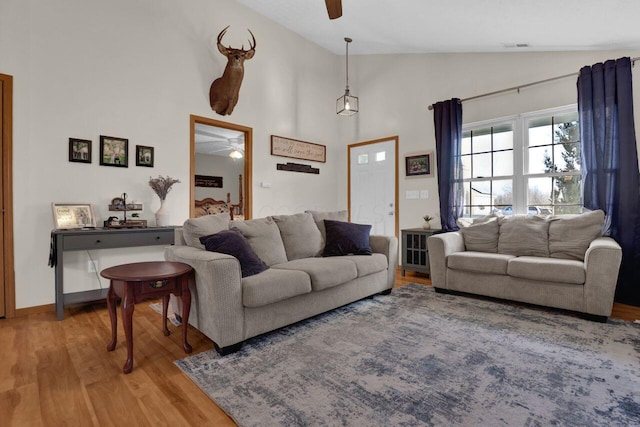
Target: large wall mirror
<point>221,158</point>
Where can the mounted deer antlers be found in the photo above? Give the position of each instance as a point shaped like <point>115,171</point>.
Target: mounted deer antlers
<point>223,94</point>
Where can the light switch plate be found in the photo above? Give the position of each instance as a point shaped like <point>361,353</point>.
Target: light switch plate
<point>412,194</point>
<point>424,194</point>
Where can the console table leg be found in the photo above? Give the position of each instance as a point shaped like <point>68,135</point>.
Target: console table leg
<point>111,308</point>
<point>165,307</point>
<point>128,305</point>
<point>186,307</point>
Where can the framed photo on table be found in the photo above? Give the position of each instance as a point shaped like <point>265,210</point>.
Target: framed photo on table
<point>419,164</point>
<point>73,215</point>
<point>114,151</point>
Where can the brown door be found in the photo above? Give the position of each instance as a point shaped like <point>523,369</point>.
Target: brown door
<point>3,310</point>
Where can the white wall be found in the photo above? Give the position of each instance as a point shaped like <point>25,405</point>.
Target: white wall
<point>137,69</point>
<point>395,91</point>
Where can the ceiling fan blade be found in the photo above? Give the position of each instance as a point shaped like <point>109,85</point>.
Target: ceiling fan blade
<point>334,8</point>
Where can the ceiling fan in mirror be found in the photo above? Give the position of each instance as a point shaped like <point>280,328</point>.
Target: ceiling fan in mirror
<point>334,8</point>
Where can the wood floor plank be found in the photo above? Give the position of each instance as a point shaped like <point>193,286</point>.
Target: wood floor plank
<point>20,406</point>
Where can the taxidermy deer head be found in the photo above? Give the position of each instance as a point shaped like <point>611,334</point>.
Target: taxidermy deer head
<point>223,95</point>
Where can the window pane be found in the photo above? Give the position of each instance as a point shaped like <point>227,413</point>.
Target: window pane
<point>567,157</point>
<point>478,211</point>
<point>467,199</point>
<point>481,165</point>
<point>539,191</point>
<point>466,143</point>
<point>503,139</point>
<point>539,134</point>
<point>481,143</point>
<point>567,189</point>
<point>363,159</point>
<point>466,167</point>
<point>502,193</point>
<point>540,160</point>
<point>481,193</point>
<point>381,156</point>
<point>566,128</point>
<point>503,163</point>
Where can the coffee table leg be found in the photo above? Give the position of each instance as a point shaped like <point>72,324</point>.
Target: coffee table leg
<point>111,308</point>
<point>165,306</point>
<point>128,305</point>
<point>186,307</point>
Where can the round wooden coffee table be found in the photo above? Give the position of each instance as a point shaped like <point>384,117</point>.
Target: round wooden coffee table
<point>142,280</point>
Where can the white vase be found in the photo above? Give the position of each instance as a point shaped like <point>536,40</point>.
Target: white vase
<point>162,215</point>
<point>426,225</point>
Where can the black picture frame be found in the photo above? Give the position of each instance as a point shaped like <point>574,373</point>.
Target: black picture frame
<point>114,151</point>
<point>419,164</point>
<point>144,156</point>
<point>79,150</point>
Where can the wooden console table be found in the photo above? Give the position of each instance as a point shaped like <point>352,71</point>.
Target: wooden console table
<point>99,238</point>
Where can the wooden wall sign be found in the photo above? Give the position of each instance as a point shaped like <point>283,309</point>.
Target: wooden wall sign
<point>208,181</point>
<point>297,167</point>
<point>287,147</point>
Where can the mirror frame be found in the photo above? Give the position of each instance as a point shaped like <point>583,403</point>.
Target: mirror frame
<point>248,154</point>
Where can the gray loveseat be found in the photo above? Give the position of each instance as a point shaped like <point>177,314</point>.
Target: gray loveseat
<point>559,261</point>
<point>298,284</point>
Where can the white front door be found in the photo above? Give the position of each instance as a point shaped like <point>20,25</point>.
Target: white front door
<point>372,185</point>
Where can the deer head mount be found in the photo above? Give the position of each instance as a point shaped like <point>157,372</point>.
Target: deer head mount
<point>223,94</point>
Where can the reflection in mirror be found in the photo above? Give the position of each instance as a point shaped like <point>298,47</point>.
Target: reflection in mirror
<point>220,168</point>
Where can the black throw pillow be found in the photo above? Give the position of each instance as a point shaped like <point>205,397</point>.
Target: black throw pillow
<point>232,242</point>
<point>344,238</point>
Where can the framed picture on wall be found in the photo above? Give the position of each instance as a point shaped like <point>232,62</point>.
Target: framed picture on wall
<point>73,215</point>
<point>79,150</point>
<point>144,156</point>
<point>419,164</point>
<point>114,151</point>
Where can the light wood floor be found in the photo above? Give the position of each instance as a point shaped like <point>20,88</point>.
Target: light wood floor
<point>60,374</point>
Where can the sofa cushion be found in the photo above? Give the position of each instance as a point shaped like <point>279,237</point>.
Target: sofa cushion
<point>324,272</point>
<point>571,235</point>
<point>264,237</point>
<point>523,235</point>
<point>482,235</point>
<point>274,285</point>
<point>194,228</point>
<point>232,242</point>
<point>547,269</point>
<point>368,264</point>
<point>345,238</point>
<point>300,235</point>
<point>320,216</point>
<point>479,262</point>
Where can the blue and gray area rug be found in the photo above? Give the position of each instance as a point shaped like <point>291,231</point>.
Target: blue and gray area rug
<point>417,358</point>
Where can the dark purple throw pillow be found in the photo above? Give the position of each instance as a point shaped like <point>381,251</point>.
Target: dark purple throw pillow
<point>232,242</point>
<point>344,238</point>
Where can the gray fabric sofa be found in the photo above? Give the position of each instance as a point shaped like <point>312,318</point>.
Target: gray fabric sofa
<point>298,284</point>
<point>559,261</point>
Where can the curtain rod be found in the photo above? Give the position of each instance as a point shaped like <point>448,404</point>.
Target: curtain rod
<point>511,89</point>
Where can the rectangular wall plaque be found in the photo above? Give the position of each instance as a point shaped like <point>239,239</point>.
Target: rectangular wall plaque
<point>287,147</point>
<point>208,181</point>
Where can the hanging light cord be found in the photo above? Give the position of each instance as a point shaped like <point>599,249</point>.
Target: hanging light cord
<point>348,40</point>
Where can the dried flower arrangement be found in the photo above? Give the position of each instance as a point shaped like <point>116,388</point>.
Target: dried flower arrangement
<point>162,185</point>
<point>427,218</point>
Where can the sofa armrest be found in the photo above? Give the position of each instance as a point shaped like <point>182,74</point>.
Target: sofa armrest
<point>440,247</point>
<point>218,289</point>
<point>602,263</point>
<point>387,245</point>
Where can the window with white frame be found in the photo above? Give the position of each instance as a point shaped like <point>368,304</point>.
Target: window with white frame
<point>523,164</point>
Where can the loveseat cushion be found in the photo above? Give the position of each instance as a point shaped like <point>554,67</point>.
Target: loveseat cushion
<point>571,235</point>
<point>324,272</point>
<point>479,262</point>
<point>274,285</point>
<point>194,228</point>
<point>366,265</point>
<point>547,269</point>
<point>264,237</point>
<point>482,234</point>
<point>524,235</point>
<point>300,235</point>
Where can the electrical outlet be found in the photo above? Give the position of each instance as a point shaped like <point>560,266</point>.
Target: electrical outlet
<point>92,266</point>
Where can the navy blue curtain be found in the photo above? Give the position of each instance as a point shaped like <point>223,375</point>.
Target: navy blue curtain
<point>610,177</point>
<point>447,118</point>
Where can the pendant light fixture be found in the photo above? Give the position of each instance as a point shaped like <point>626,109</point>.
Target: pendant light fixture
<point>347,105</point>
